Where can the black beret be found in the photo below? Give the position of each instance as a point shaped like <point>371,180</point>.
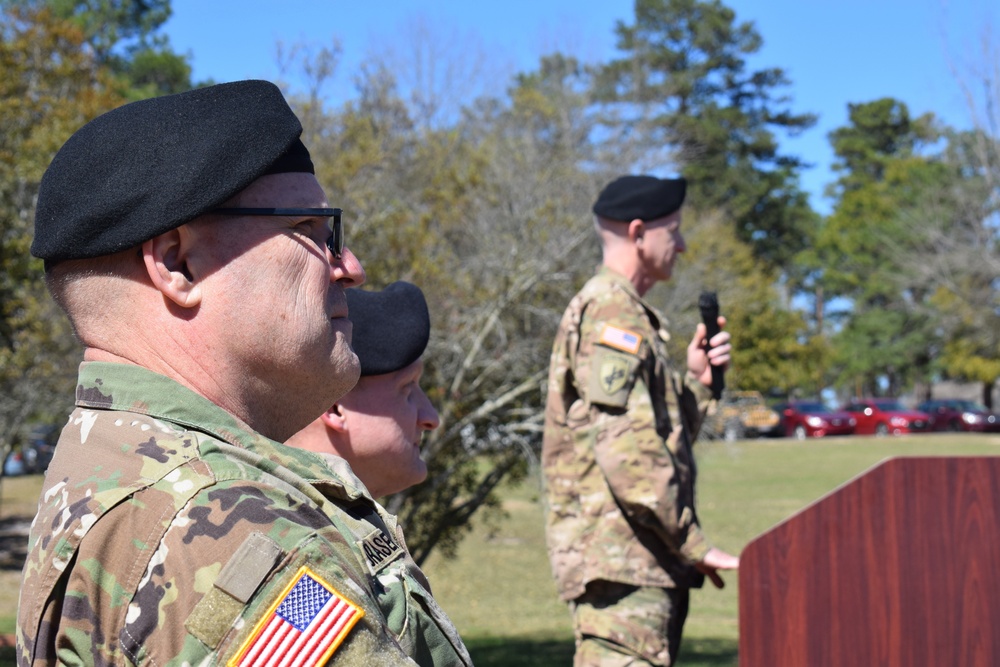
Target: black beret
<point>643,197</point>
<point>391,327</point>
<point>151,166</point>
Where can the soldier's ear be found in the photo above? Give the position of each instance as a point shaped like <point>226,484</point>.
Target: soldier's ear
<point>166,260</point>
<point>636,229</point>
<point>335,418</point>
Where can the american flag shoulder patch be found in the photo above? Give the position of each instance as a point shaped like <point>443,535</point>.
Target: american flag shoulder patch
<point>303,628</point>
<point>620,339</point>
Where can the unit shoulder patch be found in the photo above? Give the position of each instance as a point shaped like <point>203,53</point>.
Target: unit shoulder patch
<point>612,375</point>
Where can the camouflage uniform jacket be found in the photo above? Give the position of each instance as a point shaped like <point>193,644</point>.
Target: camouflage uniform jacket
<point>619,427</point>
<point>170,533</point>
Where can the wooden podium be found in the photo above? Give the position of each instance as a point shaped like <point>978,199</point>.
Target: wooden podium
<point>899,567</point>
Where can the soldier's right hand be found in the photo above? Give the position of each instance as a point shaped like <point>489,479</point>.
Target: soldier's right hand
<point>715,560</point>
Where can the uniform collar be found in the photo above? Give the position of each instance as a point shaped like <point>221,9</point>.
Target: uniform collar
<point>130,388</point>
<point>624,284</point>
<point>619,280</point>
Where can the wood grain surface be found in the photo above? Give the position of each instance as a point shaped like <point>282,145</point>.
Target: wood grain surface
<point>898,567</point>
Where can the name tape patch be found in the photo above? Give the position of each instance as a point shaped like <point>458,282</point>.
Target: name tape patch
<point>380,550</point>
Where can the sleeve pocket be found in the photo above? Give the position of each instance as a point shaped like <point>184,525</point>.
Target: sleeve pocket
<point>612,376</point>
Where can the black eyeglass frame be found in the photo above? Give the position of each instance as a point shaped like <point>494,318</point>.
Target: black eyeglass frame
<point>336,241</point>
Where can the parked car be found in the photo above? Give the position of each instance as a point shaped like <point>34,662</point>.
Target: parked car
<point>34,455</point>
<point>953,414</point>
<point>742,414</point>
<point>882,416</point>
<point>13,465</point>
<point>812,419</point>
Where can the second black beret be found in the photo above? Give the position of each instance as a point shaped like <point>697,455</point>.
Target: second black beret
<point>391,327</point>
<point>150,166</point>
<point>644,197</point>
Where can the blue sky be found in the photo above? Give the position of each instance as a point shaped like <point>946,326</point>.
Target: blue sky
<point>834,51</point>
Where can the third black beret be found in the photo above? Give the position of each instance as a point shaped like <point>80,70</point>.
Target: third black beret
<point>391,326</point>
<point>643,197</point>
<point>150,166</point>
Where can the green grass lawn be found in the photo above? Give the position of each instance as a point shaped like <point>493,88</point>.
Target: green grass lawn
<point>499,590</point>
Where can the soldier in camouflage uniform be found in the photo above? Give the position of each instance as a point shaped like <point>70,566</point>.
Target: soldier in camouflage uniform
<point>190,243</point>
<point>623,535</point>
<point>377,426</point>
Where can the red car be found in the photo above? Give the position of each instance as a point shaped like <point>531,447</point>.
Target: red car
<point>882,416</point>
<point>812,419</point>
<point>952,414</point>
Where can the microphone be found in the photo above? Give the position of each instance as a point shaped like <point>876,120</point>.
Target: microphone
<point>708,303</point>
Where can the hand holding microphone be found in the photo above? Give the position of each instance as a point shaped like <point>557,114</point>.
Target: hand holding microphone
<point>708,303</point>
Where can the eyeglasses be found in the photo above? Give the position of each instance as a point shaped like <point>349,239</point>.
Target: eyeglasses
<point>335,242</point>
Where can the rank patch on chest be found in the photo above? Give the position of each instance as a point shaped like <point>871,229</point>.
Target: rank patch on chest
<point>620,339</point>
<point>380,550</point>
<point>305,625</point>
